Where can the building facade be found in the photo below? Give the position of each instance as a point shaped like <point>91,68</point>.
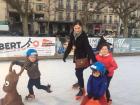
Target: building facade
<point>55,17</point>
<point>103,21</point>
<point>61,14</point>
<point>3,12</point>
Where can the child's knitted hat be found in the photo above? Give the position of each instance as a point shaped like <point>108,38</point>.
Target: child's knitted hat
<point>31,52</point>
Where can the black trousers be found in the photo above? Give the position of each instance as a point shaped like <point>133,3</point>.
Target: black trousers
<point>36,83</point>
<point>79,75</point>
<point>107,91</point>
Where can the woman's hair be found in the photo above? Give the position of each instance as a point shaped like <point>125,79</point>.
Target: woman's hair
<point>77,22</point>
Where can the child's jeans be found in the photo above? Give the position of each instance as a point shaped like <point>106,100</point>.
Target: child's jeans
<point>36,83</point>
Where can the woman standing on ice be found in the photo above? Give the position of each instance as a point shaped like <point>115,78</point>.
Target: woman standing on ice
<point>82,49</point>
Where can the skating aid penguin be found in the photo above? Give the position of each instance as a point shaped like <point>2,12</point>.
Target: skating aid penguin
<point>12,97</point>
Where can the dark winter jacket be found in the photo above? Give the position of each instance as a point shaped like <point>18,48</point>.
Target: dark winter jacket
<point>32,69</point>
<point>96,87</point>
<point>82,47</point>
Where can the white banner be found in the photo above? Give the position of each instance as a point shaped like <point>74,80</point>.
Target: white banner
<point>94,41</point>
<point>17,46</point>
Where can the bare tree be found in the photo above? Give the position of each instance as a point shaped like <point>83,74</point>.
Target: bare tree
<point>22,7</point>
<point>124,9</point>
<point>97,6</point>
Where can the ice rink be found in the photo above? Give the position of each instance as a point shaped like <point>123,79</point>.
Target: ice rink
<point>125,85</point>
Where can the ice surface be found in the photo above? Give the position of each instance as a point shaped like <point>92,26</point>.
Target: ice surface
<point>125,85</point>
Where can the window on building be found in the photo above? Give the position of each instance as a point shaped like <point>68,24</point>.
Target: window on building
<point>105,19</point>
<point>90,18</point>
<point>80,5</point>
<point>60,4</point>
<point>90,5</point>
<point>83,7</point>
<point>116,19</point>
<point>40,7</point>
<point>60,15</point>
<point>68,6</point>
<point>68,16</point>
<point>97,18</point>
<point>75,6</point>
<point>105,10</point>
<point>110,10</point>
<point>68,9</point>
<point>60,1</point>
<point>74,16</point>
<point>110,19</point>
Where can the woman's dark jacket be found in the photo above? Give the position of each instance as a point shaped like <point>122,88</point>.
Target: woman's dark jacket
<point>83,48</point>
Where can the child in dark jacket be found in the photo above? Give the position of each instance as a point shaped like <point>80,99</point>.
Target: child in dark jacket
<point>31,65</point>
<point>97,84</point>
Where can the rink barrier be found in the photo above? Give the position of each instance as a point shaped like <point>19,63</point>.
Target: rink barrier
<point>60,56</point>
<point>53,48</point>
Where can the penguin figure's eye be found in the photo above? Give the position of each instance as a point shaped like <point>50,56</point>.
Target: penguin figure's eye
<point>6,83</point>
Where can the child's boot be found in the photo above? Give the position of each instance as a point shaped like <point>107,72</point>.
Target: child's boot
<point>48,88</point>
<point>80,93</point>
<point>30,97</point>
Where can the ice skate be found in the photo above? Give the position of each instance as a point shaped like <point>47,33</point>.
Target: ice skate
<point>48,88</point>
<point>30,97</point>
<point>75,86</point>
<point>80,94</point>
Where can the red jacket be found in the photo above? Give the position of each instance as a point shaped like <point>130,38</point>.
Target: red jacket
<point>109,63</point>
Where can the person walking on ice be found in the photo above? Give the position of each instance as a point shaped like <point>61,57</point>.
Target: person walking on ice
<point>82,51</point>
<point>31,65</point>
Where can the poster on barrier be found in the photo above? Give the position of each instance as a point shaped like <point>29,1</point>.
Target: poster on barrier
<point>94,41</point>
<point>122,45</point>
<point>62,43</point>
<point>17,46</point>
<point>135,45</point>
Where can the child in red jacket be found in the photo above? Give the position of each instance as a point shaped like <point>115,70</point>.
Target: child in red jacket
<point>107,59</point>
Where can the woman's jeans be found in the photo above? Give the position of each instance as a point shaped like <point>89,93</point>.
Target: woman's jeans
<point>79,75</point>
